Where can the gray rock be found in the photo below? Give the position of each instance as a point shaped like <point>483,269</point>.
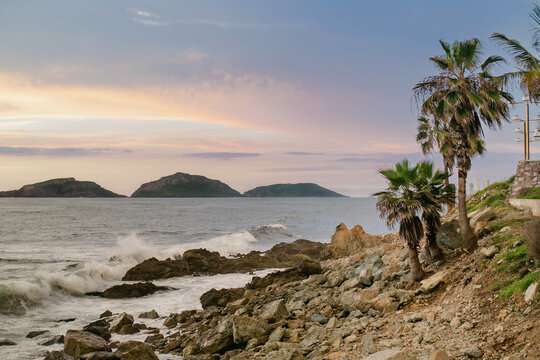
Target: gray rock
<point>366,277</point>
<point>481,215</point>
<point>372,263</point>
<point>448,235</point>
<point>368,343</point>
<point>319,318</point>
<point>218,340</point>
<point>415,317</point>
<point>352,300</point>
<point>119,321</point>
<point>473,352</point>
<point>274,311</point>
<point>530,292</point>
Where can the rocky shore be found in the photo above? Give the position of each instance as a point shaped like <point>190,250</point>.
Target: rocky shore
<point>354,302</point>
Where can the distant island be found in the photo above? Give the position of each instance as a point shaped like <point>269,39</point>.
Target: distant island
<point>64,187</point>
<point>185,185</point>
<point>292,190</point>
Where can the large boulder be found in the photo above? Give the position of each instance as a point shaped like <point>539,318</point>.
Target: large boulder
<point>449,236</point>
<point>246,328</point>
<point>346,242</point>
<point>135,350</point>
<point>120,320</point>
<point>220,298</point>
<point>77,343</point>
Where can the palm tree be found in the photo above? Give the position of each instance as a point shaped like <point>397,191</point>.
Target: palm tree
<point>465,96</point>
<point>528,72</point>
<point>399,203</point>
<point>434,192</point>
<point>433,132</point>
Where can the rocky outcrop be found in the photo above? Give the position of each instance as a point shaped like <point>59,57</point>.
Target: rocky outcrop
<point>202,261</point>
<point>346,242</point>
<point>135,350</point>
<point>65,187</point>
<point>292,190</point>
<point>130,290</point>
<point>220,298</point>
<point>185,185</point>
<point>527,176</point>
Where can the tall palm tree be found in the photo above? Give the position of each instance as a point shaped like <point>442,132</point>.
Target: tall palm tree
<point>528,72</point>
<point>435,133</point>
<point>465,96</point>
<point>399,204</point>
<point>434,193</point>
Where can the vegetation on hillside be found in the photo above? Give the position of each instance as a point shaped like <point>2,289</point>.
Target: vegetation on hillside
<point>292,190</point>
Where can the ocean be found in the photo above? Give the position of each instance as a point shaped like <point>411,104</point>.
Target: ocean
<point>53,250</point>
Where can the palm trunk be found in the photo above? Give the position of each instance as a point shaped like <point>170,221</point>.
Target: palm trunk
<point>433,250</point>
<point>417,273</point>
<point>469,239</point>
<point>451,204</point>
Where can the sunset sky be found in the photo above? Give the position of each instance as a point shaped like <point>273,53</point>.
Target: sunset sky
<point>248,92</point>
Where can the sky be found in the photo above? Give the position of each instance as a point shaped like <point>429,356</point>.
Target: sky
<point>247,92</point>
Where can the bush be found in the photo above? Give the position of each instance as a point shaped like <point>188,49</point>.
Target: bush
<point>532,238</point>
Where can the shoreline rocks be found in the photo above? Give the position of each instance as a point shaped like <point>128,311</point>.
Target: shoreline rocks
<point>204,262</point>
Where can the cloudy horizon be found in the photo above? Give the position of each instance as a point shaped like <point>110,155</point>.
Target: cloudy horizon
<point>247,92</point>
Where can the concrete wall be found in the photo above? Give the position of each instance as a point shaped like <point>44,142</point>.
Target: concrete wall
<point>527,176</point>
<point>527,204</point>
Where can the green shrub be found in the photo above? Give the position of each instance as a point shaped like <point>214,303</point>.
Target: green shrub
<point>515,285</point>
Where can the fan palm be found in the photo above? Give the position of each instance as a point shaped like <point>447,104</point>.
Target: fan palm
<point>433,132</point>
<point>528,72</point>
<point>399,204</point>
<point>465,96</point>
<point>434,193</point>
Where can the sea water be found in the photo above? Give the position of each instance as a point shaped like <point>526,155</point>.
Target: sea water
<point>53,251</point>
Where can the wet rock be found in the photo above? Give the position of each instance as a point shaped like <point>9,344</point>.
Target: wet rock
<point>149,315</point>
<point>33,334</point>
<point>6,342</point>
<point>57,355</point>
<point>99,355</point>
<point>202,261</point>
<point>58,339</point>
<point>171,321</point>
<point>128,329</point>
<point>220,298</point>
<point>274,311</point>
<point>473,352</point>
<point>448,235</point>
<point>99,328</point>
<point>77,343</point>
<point>124,291</point>
<point>121,320</point>
<point>156,340</point>
<point>135,350</point>
<point>105,314</point>
<point>67,320</point>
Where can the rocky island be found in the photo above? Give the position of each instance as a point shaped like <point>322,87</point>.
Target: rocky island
<point>185,185</point>
<point>64,187</point>
<point>292,190</point>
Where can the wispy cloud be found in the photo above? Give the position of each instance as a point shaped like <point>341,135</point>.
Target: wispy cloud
<point>379,157</point>
<point>306,168</point>
<point>146,17</point>
<point>301,153</point>
<point>221,155</point>
<point>58,152</point>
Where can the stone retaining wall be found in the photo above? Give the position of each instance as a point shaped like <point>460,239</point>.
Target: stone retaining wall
<point>527,176</point>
